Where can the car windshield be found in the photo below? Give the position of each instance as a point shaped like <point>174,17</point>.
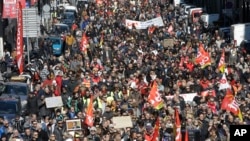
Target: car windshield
<point>69,16</point>
<point>8,107</point>
<point>55,41</point>
<point>61,29</point>
<point>16,89</point>
<point>70,10</point>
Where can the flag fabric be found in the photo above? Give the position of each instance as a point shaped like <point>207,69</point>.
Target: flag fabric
<point>154,97</point>
<point>99,2</point>
<point>84,43</point>
<point>186,135</point>
<point>208,93</point>
<point>229,103</point>
<point>170,29</point>
<point>154,136</point>
<point>178,126</point>
<point>156,129</point>
<point>151,30</point>
<point>89,120</point>
<point>227,99</point>
<point>19,39</point>
<point>181,64</point>
<point>101,39</point>
<point>240,116</point>
<point>203,57</point>
<point>11,7</point>
<point>212,106</point>
<point>222,64</point>
<point>224,83</point>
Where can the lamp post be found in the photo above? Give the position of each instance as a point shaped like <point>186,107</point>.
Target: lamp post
<point>1,30</point>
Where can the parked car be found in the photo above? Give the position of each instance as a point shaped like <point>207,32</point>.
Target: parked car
<point>68,18</point>
<point>10,107</point>
<point>18,90</point>
<point>57,45</point>
<point>59,29</point>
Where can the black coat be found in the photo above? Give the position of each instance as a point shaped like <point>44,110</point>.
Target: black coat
<point>43,135</point>
<point>32,105</point>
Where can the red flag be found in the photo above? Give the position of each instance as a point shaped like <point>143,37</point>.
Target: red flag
<point>208,93</point>
<point>89,113</point>
<point>19,39</point>
<point>229,103</point>
<point>178,126</point>
<point>222,64</point>
<point>186,135</point>
<point>154,97</point>
<point>99,2</point>
<point>151,29</point>
<point>227,99</point>
<point>181,67</point>
<point>156,129</point>
<point>84,42</point>
<point>11,7</point>
<point>212,106</point>
<point>203,57</point>
<point>154,136</point>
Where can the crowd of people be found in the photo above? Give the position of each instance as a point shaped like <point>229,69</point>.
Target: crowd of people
<point>116,73</point>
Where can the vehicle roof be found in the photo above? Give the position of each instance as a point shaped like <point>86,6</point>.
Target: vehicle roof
<point>61,24</point>
<point>70,7</point>
<point>246,41</point>
<point>9,99</point>
<point>54,37</point>
<point>187,6</point>
<point>240,24</point>
<point>68,12</point>
<point>16,83</point>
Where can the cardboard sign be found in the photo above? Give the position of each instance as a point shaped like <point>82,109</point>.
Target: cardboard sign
<point>53,102</point>
<point>122,122</point>
<point>168,43</point>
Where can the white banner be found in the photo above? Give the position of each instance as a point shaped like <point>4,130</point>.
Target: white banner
<point>144,25</point>
<point>187,97</point>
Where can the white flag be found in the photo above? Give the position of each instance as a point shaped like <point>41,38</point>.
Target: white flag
<point>223,83</point>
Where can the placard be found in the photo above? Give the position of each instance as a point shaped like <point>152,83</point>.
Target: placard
<point>53,102</point>
<point>122,122</point>
<point>168,43</point>
<point>188,97</point>
<point>73,124</point>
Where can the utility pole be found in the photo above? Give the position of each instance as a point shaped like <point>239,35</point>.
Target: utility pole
<point>1,31</point>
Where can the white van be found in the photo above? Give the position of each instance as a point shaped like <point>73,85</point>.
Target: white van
<point>178,2</point>
<point>240,32</point>
<point>194,14</point>
<point>70,8</point>
<point>187,8</point>
<point>208,19</point>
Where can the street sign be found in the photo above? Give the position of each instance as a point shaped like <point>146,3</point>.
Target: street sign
<point>46,15</point>
<point>46,8</point>
<point>31,22</point>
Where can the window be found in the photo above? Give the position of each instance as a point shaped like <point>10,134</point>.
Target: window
<point>8,107</point>
<point>16,90</point>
